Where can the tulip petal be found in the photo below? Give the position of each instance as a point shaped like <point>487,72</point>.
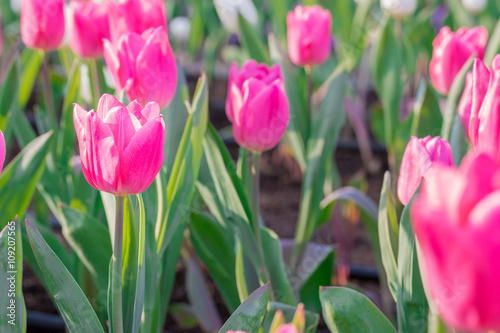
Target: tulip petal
<point>106,103</point>
<point>2,151</point>
<point>123,124</point>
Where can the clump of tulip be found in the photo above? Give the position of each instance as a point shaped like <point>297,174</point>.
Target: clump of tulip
<point>451,52</point>
<point>456,221</point>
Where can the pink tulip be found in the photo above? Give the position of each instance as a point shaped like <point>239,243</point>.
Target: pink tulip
<point>135,16</point>
<point>286,328</point>
<point>484,127</point>
<point>451,52</point>
<point>42,23</point>
<point>143,66</point>
<point>420,156</point>
<point>2,151</point>
<point>309,35</point>
<point>121,147</point>
<point>257,105</point>
<point>89,27</point>
<point>456,219</point>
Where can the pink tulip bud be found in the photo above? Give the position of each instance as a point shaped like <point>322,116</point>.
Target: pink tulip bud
<point>420,156</point>
<point>135,16</point>
<point>143,66</point>
<point>456,222</point>
<point>484,127</point>
<point>309,35</point>
<point>89,27</point>
<point>42,23</point>
<point>121,147</point>
<point>451,52</point>
<point>257,105</point>
<point>2,151</point>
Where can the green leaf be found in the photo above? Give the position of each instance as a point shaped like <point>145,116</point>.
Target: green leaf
<point>70,300</point>
<point>280,285</point>
<point>31,61</point>
<point>412,303</point>
<point>8,99</point>
<point>346,311</point>
<point>327,122</point>
<point>493,47</point>
<point>460,15</point>
<point>252,42</point>
<point>214,245</point>
<point>11,275</point>
<point>427,116</point>
<point>386,66</point>
<point>453,99</point>
<point>388,231</point>
<point>19,179</point>
<point>312,319</point>
<point>249,315</point>
<point>458,141</point>
<point>182,182</point>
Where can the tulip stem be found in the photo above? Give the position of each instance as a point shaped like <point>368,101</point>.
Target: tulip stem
<point>116,278</point>
<point>308,70</point>
<point>47,92</point>
<point>94,79</point>
<point>255,170</point>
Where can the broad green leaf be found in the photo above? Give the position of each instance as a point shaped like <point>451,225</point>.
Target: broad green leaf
<point>453,99</point>
<point>252,42</point>
<point>326,125</point>
<point>8,100</point>
<point>23,131</point>
<point>312,319</point>
<point>493,47</point>
<point>181,185</point>
<point>214,245</point>
<point>280,285</point>
<point>31,61</point>
<point>388,234</point>
<point>427,116</point>
<point>412,303</point>
<point>458,141</point>
<point>249,315</point>
<point>70,300</point>
<point>19,179</point>
<point>386,66</point>
<point>348,311</point>
<point>11,274</point>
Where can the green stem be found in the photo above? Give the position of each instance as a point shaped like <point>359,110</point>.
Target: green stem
<point>94,79</point>
<point>47,92</point>
<point>308,70</point>
<point>116,284</point>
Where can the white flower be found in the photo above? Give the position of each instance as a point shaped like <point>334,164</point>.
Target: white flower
<point>399,8</point>
<point>180,27</point>
<point>228,12</point>
<point>475,6</point>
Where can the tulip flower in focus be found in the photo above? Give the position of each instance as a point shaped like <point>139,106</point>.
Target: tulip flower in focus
<point>90,25</point>
<point>456,219</point>
<point>42,23</point>
<point>475,6</point>
<point>484,127</point>
<point>143,66</point>
<point>257,105</point>
<point>399,8</point>
<point>121,147</point>
<point>2,151</point>
<point>309,35</point>
<point>420,156</point>
<point>135,16</point>
<point>451,52</point>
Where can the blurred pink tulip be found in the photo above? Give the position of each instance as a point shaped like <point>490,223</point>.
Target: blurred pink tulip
<point>42,23</point>
<point>484,127</point>
<point>121,147</point>
<point>309,35</point>
<point>451,52</point>
<point>287,328</point>
<point>420,156</point>
<point>143,66</point>
<point>90,25</point>
<point>135,16</point>
<point>456,219</point>
<point>257,105</point>
<point>2,151</point>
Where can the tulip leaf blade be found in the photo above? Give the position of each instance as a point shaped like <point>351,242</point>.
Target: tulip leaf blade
<point>348,311</point>
<point>412,306</point>
<point>31,62</point>
<point>19,179</point>
<point>70,300</point>
<point>493,47</point>
<point>252,42</point>
<point>8,100</point>
<point>11,274</point>
<point>249,315</point>
<point>388,234</point>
